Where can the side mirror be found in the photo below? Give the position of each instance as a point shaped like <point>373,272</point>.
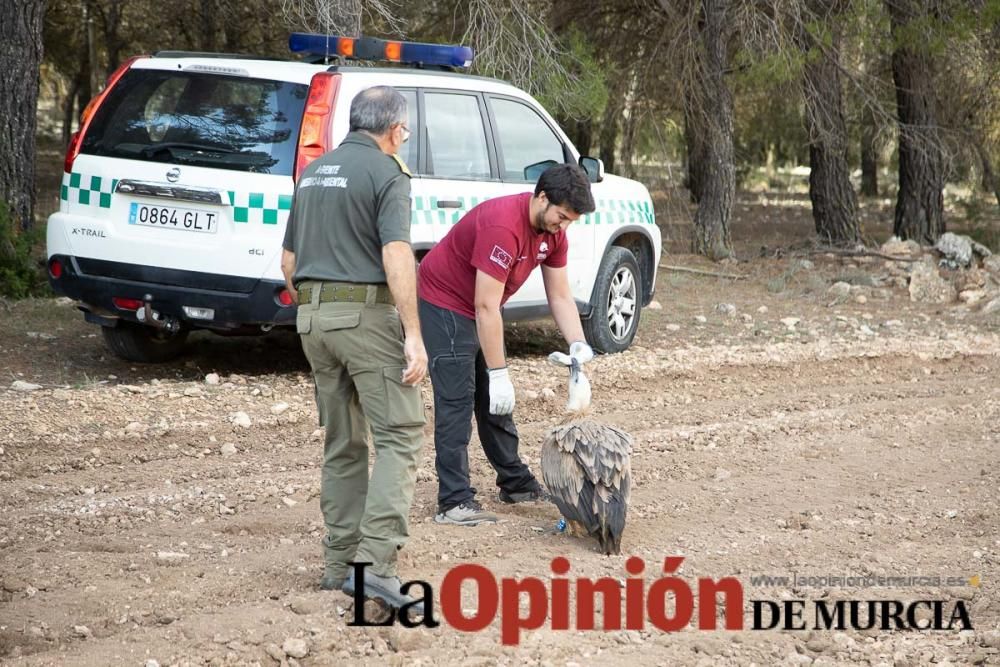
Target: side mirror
<point>534,171</point>
<point>594,168</point>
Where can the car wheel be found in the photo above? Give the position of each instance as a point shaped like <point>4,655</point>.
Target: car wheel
<point>143,344</point>
<point>616,303</point>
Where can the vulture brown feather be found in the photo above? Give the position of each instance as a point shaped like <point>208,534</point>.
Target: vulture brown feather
<point>587,469</point>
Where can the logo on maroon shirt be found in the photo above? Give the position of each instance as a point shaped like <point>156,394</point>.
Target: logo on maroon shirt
<point>543,251</point>
<point>501,257</point>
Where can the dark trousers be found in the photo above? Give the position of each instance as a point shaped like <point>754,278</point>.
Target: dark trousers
<point>462,389</point>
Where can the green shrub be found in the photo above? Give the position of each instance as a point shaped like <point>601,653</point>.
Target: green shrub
<point>21,273</point>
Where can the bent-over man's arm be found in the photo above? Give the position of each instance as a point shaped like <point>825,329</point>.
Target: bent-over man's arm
<point>489,327</point>
<point>561,303</point>
<point>489,322</point>
<point>492,256</point>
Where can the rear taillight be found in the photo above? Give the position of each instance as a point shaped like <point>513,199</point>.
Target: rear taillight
<point>88,113</point>
<point>72,151</point>
<point>284,298</point>
<point>317,120</point>
<point>126,304</point>
<point>55,269</point>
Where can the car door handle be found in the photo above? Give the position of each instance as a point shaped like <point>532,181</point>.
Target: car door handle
<point>449,203</point>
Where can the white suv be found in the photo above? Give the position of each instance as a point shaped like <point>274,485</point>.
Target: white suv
<point>178,185</point>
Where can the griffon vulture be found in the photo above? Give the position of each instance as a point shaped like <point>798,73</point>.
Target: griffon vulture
<point>587,468</point>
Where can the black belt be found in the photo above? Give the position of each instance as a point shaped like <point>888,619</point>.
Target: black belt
<point>346,292</point>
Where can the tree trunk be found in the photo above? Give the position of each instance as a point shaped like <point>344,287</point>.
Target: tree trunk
<point>92,61</point>
<point>209,23</point>
<point>610,123</point>
<point>69,106</point>
<point>84,92</point>
<point>111,24</point>
<point>920,202</point>
<point>580,132</point>
<point>715,123</point>
<point>991,180</point>
<point>834,203</point>
<point>869,153</point>
<point>695,150</point>
<point>630,126</point>
<point>20,56</point>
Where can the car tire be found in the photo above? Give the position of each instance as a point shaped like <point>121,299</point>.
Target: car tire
<point>143,344</point>
<point>617,290</point>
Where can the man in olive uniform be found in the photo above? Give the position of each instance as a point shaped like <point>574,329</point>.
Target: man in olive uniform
<point>348,260</point>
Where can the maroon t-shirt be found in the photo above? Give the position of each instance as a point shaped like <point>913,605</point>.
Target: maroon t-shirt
<point>496,238</point>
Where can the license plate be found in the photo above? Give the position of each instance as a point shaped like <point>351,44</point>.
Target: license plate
<point>173,217</point>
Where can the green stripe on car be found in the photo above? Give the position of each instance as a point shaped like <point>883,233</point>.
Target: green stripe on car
<point>270,209</point>
<point>86,190</point>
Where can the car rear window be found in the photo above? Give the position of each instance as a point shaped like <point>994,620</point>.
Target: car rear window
<point>208,120</point>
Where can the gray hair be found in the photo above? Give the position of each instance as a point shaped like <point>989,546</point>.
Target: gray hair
<point>376,109</point>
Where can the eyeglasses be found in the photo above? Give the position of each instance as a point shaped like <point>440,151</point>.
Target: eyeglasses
<point>406,133</point>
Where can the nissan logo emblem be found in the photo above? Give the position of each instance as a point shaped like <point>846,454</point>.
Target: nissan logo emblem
<point>173,175</point>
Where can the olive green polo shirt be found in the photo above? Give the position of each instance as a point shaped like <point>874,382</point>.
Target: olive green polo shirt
<point>348,203</point>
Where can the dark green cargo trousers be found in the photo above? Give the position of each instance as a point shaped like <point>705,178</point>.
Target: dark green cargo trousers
<point>356,353</point>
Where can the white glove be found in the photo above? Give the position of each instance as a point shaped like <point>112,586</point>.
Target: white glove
<point>501,392</point>
<point>578,351</point>
<point>581,352</point>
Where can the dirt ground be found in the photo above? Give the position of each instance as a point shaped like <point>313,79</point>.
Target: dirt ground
<point>143,524</point>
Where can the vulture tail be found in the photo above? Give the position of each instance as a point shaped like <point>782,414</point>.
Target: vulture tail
<point>610,542</point>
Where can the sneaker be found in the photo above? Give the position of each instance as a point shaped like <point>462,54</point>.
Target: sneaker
<point>529,496</point>
<point>469,513</point>
<point>386,589</point>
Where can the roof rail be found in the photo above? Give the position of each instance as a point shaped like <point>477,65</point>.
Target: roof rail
<point>338,61</point>
<point>207,54</point>
<point>411,69</point>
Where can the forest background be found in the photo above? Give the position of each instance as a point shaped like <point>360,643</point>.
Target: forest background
<point>845,101</point>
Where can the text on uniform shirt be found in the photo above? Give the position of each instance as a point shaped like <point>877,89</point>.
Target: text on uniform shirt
<point>325,177</point>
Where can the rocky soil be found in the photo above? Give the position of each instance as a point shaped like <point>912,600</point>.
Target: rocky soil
<point>812,419</point>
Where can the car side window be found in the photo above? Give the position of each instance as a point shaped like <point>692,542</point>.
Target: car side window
<point>523,137</point>
<point>456,137</point>
<point>408,151</point>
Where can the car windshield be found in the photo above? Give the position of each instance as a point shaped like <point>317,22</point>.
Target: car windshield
<point>200,119</point>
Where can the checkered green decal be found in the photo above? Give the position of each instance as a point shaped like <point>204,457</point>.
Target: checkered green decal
<point>78,188</point>
<point>425,211</point>
<point>621,212</point>
<point>265,207</point>
<point>609,211</point>
<point>270,208</point>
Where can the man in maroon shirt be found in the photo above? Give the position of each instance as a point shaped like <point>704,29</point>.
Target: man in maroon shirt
<point>463,283</point>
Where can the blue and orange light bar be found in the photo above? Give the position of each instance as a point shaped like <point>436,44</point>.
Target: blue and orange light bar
<point>371,48</point>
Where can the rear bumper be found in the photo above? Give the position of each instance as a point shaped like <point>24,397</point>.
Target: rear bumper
<point>237,302</point>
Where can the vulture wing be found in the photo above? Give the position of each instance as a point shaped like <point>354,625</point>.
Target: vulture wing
<point>587,468</point>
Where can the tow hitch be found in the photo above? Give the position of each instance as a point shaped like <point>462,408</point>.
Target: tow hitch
<point>146,315</point>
